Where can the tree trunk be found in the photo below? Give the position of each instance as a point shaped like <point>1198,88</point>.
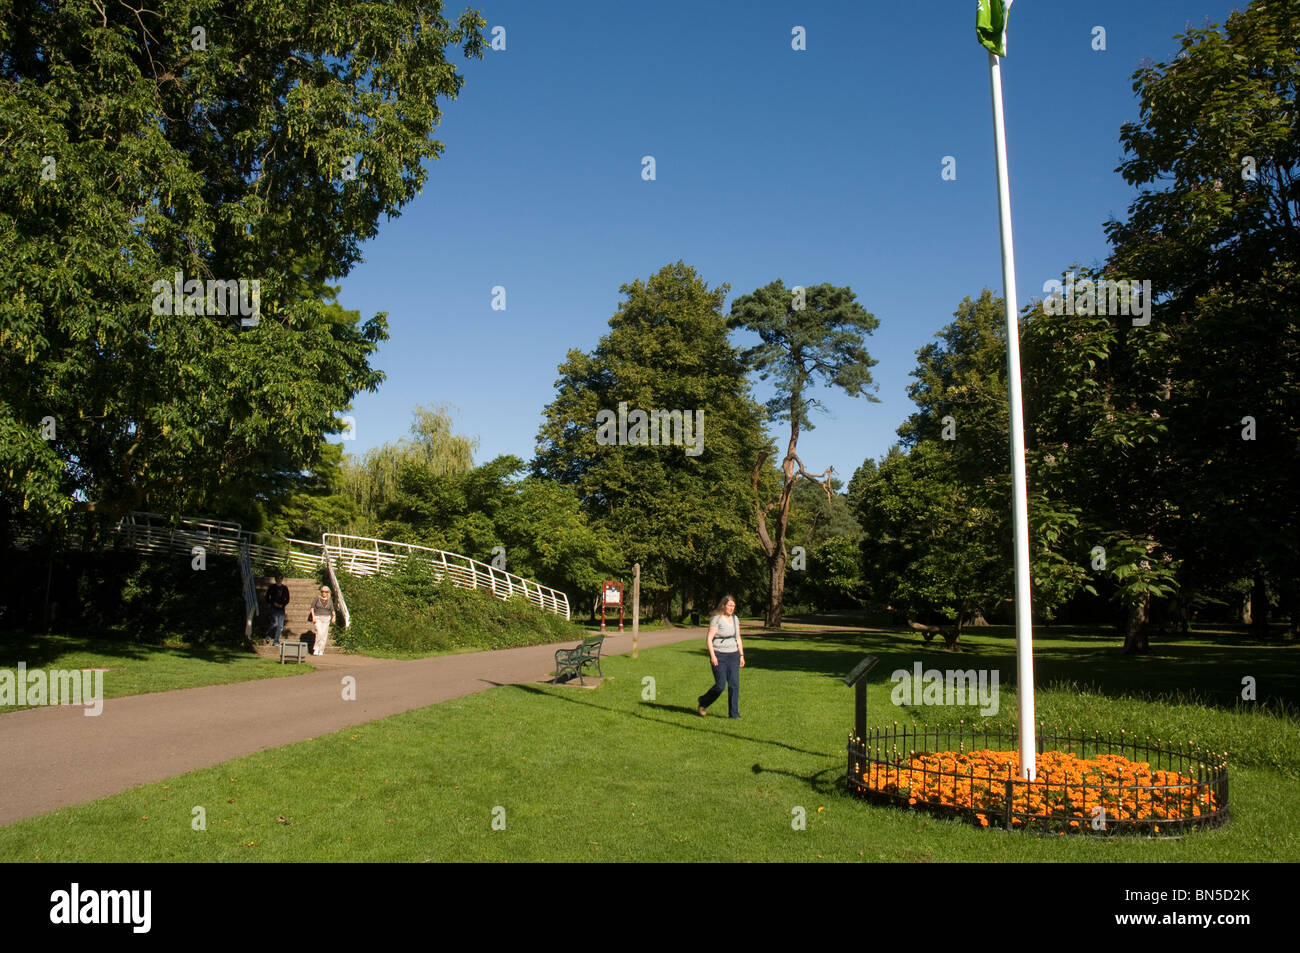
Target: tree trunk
<point>1290,598</point>
<point>663,602</point>
<point>1135,634</point>
<point>1259,602</point>
<point>776,593</point>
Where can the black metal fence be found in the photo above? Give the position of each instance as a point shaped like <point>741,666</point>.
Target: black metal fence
<point>1188,787</point>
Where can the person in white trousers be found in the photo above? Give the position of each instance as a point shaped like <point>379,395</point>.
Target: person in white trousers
<point>322,614</point>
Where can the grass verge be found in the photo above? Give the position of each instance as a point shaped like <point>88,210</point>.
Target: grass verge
<point>629,771</point>
<point>134,668</point>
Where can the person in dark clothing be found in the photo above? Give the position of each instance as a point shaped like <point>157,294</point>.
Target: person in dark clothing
<point>277,597</point>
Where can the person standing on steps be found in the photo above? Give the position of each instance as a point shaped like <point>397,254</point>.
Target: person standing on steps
<point>277,597</point>
<point>321,614</point>
<point>726,655</point>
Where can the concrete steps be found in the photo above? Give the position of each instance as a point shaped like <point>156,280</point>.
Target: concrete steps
<point>301,593</point>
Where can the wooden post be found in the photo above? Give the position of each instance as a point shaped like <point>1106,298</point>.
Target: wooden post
<point>636,605</point>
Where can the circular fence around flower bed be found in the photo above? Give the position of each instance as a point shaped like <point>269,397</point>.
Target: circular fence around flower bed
<point>1091,784</point>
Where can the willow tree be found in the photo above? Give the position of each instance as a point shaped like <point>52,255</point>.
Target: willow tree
<point>372,481</point>
<point>809,336</point>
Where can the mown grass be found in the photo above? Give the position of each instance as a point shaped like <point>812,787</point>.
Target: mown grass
<point>410,615</point>
<point>622,772</point>
<point>134,668</point>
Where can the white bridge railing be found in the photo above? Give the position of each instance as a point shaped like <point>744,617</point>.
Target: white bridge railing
<point>361,556</point>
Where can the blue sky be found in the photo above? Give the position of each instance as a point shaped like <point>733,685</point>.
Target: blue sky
<point>812,166</point>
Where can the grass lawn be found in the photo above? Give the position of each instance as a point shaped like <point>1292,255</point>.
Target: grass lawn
<point>613,774</point>
<point>135,669</point>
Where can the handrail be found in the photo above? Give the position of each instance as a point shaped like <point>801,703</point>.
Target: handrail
<point>378,556</point>
<point>463,571</point>
<point>334,582</point>
<point>250,588</point>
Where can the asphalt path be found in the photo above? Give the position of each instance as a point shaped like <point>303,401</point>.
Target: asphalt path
<point>55,757</point>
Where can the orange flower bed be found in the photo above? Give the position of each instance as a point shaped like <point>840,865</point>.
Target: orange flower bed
<point>1068,788</point>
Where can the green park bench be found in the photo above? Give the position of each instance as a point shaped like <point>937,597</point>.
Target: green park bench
<point>572,661</point>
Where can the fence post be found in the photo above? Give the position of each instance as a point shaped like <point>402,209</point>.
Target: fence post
<point>636,605</point>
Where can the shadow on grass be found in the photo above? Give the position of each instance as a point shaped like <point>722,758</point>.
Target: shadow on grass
<point>1207,666</point>
<point>701,726</point>
<point>826,782</point>
<point>40,651</point>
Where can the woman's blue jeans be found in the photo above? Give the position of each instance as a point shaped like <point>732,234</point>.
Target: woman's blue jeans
<point>726,674</point>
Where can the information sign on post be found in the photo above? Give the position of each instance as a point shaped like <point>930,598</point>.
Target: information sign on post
<point>611,595</point>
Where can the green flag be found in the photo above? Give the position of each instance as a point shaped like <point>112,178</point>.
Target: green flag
<point>991,25</point>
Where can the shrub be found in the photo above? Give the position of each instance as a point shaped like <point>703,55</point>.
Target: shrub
<point>411,613</point>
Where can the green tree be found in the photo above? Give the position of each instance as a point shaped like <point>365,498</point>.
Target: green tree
<point>318,504</point>
<point>680,509</point>
<point>953,488</point>
<point>536,527</point>
<point>808,336</point>
<point>1097,441</point>
<point>934,549</point>
<point>1216,229</point>
<point>372,480</point>
<point>224,141</point>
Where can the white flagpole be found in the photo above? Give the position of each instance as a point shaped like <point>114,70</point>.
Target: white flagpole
<point>1020,498</point>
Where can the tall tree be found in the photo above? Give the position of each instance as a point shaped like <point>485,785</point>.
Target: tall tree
<point>1215,155</point>
<point>675,499</point>
<point>224,142</point>
<point>809,336</point>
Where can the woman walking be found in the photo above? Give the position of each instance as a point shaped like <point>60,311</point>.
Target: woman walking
<point>726,655</point>
<point>322,614</point>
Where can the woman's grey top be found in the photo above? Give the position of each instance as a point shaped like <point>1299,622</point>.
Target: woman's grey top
<point>725,638</point>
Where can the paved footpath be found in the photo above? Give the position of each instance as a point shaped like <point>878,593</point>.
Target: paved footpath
<point>55,757</point>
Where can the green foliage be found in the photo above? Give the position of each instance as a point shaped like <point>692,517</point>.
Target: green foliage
<point>372,482</point>
<point>318,503</point>
<point>816,517</point>
<point>132,597</point>
<point>540,524</point>
<point>222,157</point>
<point>934,543</point>
<point>685,518</point>
<point>833,577</point>
<point>411,614</point>
<point>1215,155</point>
<point>803,342</point>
